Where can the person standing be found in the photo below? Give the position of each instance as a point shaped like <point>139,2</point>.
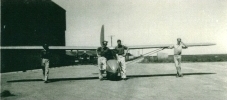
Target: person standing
<point>120,54</point>
<point>177,55</point>
<point>45,56</point>
<point>102,53</point>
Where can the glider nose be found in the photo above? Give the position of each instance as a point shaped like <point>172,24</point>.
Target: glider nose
<point>112,66</point>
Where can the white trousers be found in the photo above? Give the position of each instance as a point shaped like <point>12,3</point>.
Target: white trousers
<point>102,63</point>
<point>121,60</point>
<point>45,68</point>
<point>177,61</point>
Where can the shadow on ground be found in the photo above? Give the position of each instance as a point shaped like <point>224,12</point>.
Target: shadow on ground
<point>157,75</point>
<point>91,78</point>
<point>6,93</point>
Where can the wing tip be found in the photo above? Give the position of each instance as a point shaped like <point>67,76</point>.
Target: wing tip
<point>211,43</point>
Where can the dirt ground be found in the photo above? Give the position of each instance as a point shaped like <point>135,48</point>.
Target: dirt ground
<point>201,81</point>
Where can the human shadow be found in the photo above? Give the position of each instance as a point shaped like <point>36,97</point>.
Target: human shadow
<point>54,79</point>
<point>93,78</point>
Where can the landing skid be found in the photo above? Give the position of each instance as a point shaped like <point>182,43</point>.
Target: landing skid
<point>113,76</point>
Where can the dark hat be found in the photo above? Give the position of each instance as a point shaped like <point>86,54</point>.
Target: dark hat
<point>118,40</point>
<point>104,42</point>
<point>45,45</point>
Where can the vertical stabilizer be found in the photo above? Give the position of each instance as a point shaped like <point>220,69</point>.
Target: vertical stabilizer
<point>102,35</point>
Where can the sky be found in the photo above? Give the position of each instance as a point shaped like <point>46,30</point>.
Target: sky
<point>148,22</point>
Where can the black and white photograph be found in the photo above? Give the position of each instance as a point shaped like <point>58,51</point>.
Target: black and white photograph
<point>113,50</point>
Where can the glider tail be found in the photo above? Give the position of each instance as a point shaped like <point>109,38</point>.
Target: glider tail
<point>102,35</point>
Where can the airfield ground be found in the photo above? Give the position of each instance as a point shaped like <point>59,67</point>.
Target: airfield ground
<point>201,81</point>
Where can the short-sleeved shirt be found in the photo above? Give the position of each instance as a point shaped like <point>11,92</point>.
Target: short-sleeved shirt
<point>45,54</point>
<point>177,49</point>
<point>120,50</point>
<point>104,52</point>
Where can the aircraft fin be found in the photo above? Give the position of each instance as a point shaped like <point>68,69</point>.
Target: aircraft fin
<point>102,35</point>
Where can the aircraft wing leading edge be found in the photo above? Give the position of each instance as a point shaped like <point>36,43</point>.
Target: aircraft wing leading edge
<point>52,47</point>
<point>167,45</point>
<point>95,47</point>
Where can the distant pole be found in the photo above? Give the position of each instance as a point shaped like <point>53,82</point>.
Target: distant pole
<point>111,37</point>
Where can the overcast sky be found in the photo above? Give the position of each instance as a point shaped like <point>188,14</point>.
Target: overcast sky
<point>147,22</point>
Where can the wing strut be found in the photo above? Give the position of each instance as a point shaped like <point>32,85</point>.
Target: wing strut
<point>146,54</point>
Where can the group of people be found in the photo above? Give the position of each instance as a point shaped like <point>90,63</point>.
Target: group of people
<point>104,54</point>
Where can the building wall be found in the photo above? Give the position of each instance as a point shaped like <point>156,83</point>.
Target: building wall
<point>31,23</point>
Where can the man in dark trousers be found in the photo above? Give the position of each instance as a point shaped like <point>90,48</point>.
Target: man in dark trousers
<point>103,54</point>
<point>45,57</point>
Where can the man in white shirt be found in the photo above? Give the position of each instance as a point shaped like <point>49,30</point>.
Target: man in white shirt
<point>177,55</point>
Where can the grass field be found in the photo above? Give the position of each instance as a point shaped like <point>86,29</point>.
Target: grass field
<point>188,58</point>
